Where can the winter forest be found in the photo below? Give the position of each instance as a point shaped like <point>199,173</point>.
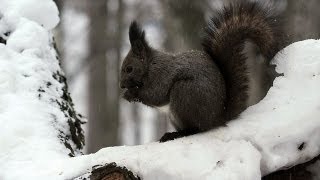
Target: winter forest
<point>63,115</point>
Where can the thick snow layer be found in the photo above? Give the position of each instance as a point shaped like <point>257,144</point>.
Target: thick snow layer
<point>44,12</point>
<point>193,158</point>
<point>33,127</point>
<point>28,116</point>
<point>285,125</point>
<point>279,132</point>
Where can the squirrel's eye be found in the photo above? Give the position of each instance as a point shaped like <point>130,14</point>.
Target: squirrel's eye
<point>129,69</point>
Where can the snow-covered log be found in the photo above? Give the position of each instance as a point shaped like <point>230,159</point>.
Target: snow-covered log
<point>40,129</point>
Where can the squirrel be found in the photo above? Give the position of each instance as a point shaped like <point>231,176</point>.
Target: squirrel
<point>206,89</point>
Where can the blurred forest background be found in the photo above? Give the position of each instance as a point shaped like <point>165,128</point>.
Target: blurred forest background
<point>92,38</point>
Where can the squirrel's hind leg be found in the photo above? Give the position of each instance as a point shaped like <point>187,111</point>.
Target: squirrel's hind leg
<point>197,104</point>
<point>178,134</point>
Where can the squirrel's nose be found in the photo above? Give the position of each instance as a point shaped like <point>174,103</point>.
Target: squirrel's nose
<point>128,83</point>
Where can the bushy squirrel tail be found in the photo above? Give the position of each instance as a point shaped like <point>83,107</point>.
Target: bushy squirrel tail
<point>224,40</point>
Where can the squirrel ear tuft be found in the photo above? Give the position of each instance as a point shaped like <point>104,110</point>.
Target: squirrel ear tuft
<point>136,32</point>
<point>138,42</point>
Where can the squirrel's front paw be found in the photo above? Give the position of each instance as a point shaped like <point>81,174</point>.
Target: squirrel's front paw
<point>131,95</point>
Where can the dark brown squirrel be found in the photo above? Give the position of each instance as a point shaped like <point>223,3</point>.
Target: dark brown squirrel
<point>206,89</point>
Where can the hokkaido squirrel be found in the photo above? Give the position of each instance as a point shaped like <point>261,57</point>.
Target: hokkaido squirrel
<point>206,89</point>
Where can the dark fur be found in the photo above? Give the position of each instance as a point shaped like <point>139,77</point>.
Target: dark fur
<point>205,89</point>
<point>224,41</point>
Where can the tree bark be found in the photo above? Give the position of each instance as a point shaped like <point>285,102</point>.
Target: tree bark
<point>67,107</point>
<point>112,172</point>
<point>189,17</point>
<point>101,131</point>
<point>303,19</point>
<point>114,46</point>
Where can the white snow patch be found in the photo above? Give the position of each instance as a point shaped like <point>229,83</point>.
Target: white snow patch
<point>28,35</point>
<point>44,12</point>
<point>186,159</point>
<point>31,120</point>
<point>289,115</point>
<point>28,117</point>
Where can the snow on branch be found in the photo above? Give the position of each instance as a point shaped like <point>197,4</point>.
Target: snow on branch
<point>40,129</point>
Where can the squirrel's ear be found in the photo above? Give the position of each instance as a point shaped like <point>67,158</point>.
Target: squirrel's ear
<point>138,42</point>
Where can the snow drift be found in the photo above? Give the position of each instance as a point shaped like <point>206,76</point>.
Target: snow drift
<point>281,131</point>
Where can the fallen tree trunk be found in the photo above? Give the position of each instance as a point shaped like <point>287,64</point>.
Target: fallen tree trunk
<point>114,172</point>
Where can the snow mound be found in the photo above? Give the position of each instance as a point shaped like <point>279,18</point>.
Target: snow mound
<point>27,114</point>
<point>285,125</point>
<point>33,93</point>
<point>44,12</point>
<point>277,133</point>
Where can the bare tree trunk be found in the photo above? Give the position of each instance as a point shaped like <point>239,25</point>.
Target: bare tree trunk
<point>303,19</point>
<point>114,46</point>
<point>59,30</point>
<point>137,124</point>
<point>118,41</point>
<point>190,19</point>
<point>162,125</point>
<point>101,131</point>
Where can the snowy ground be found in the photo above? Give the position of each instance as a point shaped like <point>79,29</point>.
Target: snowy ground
<point>279,132</point>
